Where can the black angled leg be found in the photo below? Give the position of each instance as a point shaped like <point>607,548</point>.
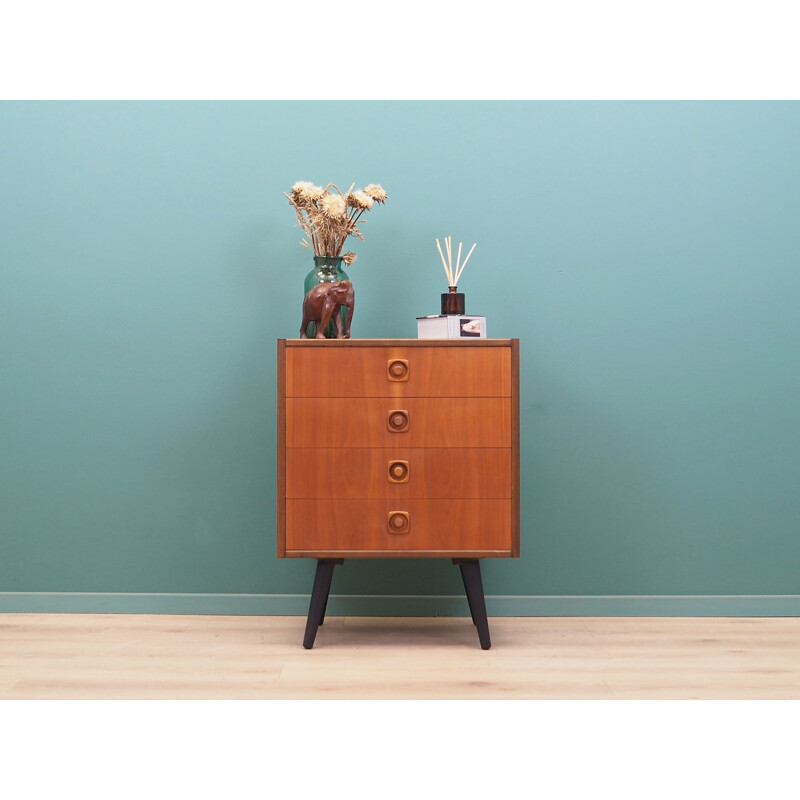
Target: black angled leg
<point>471,573</point>
<point>466,590</point>
<point>325,607</point>
<point>319,598</point>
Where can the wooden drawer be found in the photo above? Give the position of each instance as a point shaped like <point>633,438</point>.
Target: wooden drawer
<point>417,422</point>
<point>477,371</point>
<point>398,472</point>
<point>438,527</point>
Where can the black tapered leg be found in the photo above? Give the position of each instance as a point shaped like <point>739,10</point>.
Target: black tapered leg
<point>325,607</point>
<point>319,598</point>
<point>471,573</point>
<point>466,591</point>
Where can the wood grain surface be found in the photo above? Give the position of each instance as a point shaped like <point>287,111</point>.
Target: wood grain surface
<point>442,526</point>
<point>446,412</point>
<point>121,656</point>
<point>364,472</point>
<point>363,422</point>
<point>432,372</point>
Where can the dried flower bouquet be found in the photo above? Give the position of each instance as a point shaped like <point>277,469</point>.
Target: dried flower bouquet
<point>329,217</point>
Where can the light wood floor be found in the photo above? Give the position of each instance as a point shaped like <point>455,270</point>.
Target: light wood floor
<point>86,656</point>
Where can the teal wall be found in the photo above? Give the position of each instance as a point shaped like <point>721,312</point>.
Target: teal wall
<point>647,255</point>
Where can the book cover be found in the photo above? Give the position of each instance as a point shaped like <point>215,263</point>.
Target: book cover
<point>451,326</point>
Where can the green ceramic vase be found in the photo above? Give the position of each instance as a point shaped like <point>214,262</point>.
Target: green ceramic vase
<point>327,269</point>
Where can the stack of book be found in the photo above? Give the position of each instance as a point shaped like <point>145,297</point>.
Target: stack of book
<point>451,326</point>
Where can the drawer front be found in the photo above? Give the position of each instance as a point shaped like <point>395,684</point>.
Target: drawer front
<point>345,525</point>
<point>398,472</point>
<point>398,422</point>
<point>398,372</point>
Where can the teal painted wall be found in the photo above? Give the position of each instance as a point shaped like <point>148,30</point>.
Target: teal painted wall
<point>647,255</point>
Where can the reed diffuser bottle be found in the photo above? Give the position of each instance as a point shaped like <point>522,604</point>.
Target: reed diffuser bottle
<point>453,300</point>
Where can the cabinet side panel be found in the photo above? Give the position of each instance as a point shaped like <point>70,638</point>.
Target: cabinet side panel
<point>281,439</point>
<point>515,484</point>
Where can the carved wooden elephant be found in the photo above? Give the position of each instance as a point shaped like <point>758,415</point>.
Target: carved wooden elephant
<point>324,302</point>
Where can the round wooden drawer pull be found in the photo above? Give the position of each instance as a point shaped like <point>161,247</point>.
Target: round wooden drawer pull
<point>399,522</point>
<point>398,420</point>
<point>398,472</point>
<point>397,369</point>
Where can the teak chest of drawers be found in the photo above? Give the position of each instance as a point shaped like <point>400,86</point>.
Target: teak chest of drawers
<point>398,448</point>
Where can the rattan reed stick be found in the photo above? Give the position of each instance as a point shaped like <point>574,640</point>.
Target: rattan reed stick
<point>444,263</point>
<point>460,271</point>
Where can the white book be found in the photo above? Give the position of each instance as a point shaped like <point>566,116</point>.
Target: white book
<point>451,326</point>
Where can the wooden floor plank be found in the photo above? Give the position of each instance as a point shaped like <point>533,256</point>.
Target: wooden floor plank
<point>125,656</point>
